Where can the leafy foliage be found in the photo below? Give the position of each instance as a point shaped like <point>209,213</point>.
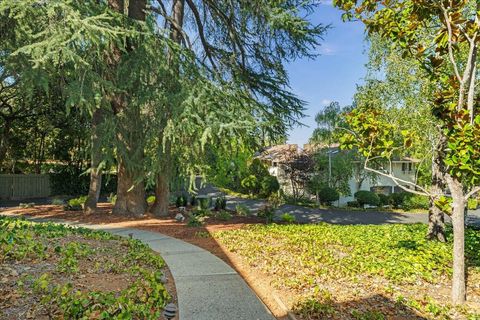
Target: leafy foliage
<point>28,243</point>
<point>370,198</point>
<point>325,255</point>
<point>327,195</point>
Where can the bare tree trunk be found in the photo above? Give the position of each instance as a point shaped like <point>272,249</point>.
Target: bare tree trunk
<point>162,195</point>
<point>436,221</point>
<point>96,158</point>
<point>458,223</point>
<point>130,193</point>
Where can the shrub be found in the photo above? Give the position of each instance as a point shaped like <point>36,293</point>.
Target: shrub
<point>269,185</point>
<point>242,210</point>
<point>150,200</point>
<point>327,195</point>
<point>250,184</point>
<point>288,218</point>
<point>203,202</point>
<point>220,203</point>
<point>224,215</point>
<point>194,222</point>
<point>181,201</point>
<point>201,212</point>
<point>353,204</point>
<point>267,212</point>
<point>75,204</point>
<point>416,202</point>
<point>367,197</point>
<point>397,198</point>
<point>384,199</point>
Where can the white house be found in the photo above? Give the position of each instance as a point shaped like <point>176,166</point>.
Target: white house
<point>276,157</point>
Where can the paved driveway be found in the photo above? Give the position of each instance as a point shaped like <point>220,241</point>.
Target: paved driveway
<point>337,216</point>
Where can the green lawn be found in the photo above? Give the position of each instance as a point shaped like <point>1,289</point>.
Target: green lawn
<point>329,266</point>
<point>52,271</point>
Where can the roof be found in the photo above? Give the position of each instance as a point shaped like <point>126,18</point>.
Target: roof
<point>278,153</point>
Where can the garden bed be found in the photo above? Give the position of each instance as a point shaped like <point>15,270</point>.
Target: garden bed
<point>322,271</point>
<point>52,271</point>
<point>358,272</point>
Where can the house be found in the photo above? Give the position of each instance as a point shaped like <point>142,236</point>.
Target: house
<point>279,161</point>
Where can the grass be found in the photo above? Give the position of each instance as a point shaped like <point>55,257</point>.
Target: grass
<point>54,271</point>
<point>355,262</point>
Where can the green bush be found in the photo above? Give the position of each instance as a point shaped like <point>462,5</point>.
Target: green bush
<point>75,204</point>
<point>71,181</point>
<point>181,201</point>
<point>365,197</point>
<point>203,202</point>
<point>224,215</point>
<point>267,212</point>
<point>220,203</point>
<point>242,210</point>
<point>416,202</point>
<point>327,195</point>
<point>288,218</point>
<point>151,200</point>
<point>472,204</point>
<point>194,222</point>
<point>384,199</point>
<point>397,199</point>
<point>269,185</point>
<point>353,204</point>
<point>251,184</point>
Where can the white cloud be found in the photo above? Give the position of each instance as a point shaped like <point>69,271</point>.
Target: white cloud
<point>328,50</point>
<point>325,102</point>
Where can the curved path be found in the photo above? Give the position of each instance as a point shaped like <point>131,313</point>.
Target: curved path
<point>207,288</point>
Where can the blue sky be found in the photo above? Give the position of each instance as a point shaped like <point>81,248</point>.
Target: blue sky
<point>334,74</point>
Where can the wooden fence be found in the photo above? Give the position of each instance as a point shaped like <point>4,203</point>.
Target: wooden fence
<point>24,186</point>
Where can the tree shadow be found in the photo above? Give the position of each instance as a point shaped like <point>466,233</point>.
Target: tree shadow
<point>374,307</point>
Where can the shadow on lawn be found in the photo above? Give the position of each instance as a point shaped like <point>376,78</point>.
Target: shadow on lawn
<point>375,307</point>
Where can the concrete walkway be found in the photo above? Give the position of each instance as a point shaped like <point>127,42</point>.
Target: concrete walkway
<point>207,288</point>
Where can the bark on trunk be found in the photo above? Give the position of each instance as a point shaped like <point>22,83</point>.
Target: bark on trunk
<point>162,195</point>
<point>436,222</point>
<point>130,193</point>
<point>4,142</point>
<point>162,188</point>
<point>96,157</point>
<point>458,223</point>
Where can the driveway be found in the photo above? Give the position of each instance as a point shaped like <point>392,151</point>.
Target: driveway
<point>337,216</point>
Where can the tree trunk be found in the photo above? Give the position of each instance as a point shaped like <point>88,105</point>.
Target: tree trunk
<point>162,195</point>
<point>162,189</point>
<point>436,222</point>
<point>130,153</point>
<point>4,142</point>
<point>458,223</point>
<point>96,158</point>
<point>130,193</point>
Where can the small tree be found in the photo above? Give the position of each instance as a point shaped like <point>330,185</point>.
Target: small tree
<point>451,42</point>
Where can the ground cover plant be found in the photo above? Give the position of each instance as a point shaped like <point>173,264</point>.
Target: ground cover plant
<point>359,272</point>
<point>53,271</point>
